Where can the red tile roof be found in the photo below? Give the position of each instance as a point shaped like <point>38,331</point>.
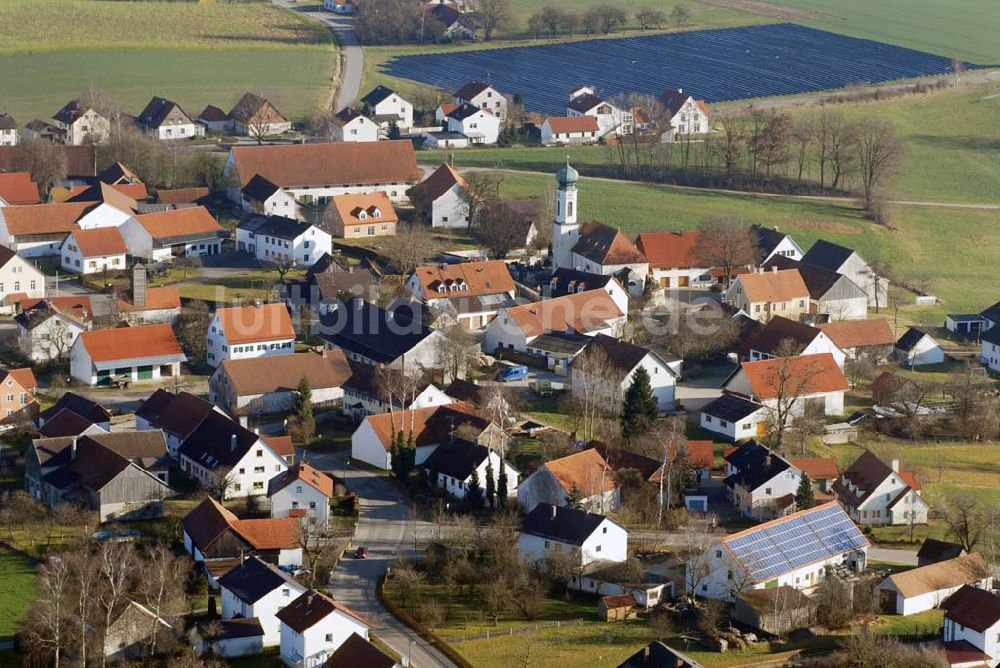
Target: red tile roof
<point>584,470</point>
<point>422,422</point>
<point>179,222</point>
<point>329,164</point>
<point>859,333</point>
<point>475,278</point>
<point>670,250</point>
<point>305,473</point>
<point>181,195</point>
<point>246,324</point>
<point>803,375</point>
<point>24,377</point>
<point>166,297</point>
<point>123,343</point>
<point>44,218</point>
<point>269,533</point>
<point>100,241</point>
<point>562,124</point>
<point>774,286</point>
<point>817,468</point>
<point>282,445</point>
<point>18,188</point>
<point>581,312</point>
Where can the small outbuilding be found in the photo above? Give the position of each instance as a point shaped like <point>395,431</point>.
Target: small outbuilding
<point>616,608</point>
<point>918,348</point>
<point>776,611</point>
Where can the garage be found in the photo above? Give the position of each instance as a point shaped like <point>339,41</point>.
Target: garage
<point>144,373</point>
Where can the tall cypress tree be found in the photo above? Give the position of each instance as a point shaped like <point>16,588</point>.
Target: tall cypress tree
<point>805,498</point>
<point>304,411</point>
<point>502,484</point>
<point>491,484</point>
<point>640,409</point>
<point>474,494</point>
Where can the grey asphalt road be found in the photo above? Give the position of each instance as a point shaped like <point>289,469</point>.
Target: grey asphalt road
<point>386,528</point>
<point>890,556</point>
<point>353,62</point>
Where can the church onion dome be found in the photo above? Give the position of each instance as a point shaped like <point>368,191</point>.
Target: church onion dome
<point>567,176</point>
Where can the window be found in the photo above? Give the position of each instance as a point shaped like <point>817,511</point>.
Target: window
<point>286,592</point>
<point>718,554</point>
<point>546,545</point>
<point>295,504</point>
<point>329,637</point>
<point>258,485</point>
<point>237,487</point>
<point>258,469</point>
<point>767,490</point>
<point>242,471</point>
<point>746,425</point>
<point>298,489</point>
<point>723,423</point>
<point>312,505</point>
<point>708,419</point>
<point>260,453</point>
<point>704,587</point>
<point>597,549</point>
<point>604,530</point>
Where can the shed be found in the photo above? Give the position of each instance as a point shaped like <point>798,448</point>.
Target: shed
<point>776,611</point>
<point>616,608</point>
<point>926,587</point>
<point>918,348</point>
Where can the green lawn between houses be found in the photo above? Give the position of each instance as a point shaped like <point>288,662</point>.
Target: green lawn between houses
<point>17,582</point>
<point>192,52</point>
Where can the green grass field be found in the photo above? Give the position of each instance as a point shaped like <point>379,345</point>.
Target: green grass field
<point>193,53</point>
<point>17,581</point>
<point>963,275</point>
<point>963,28</point>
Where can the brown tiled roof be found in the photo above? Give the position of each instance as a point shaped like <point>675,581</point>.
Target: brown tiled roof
<point>17,188</point>
<point>65,423</point>
<point>441,180</point>
<point>100,241</point>
<point>448,107</point>
<point>165,297</point>
<point>25,377</point>
<point>253,108</point>
<point>346,208</point>
<point>44,218</point>
<point>307,474</point>
<point>774,286</point>
<point>472,89</point>
<point>181,195</point>
<point>963,653</point>
<point>604,244</point>
<point>245,324</point>
<point>117,196</point>
<point>669,250</point>
<point>584,470</point>
<point>277,373</point>
<point>429,425</point>
<point>618,601</point>
<point>803,375</point>
<point>777,331</point>
<point>866,473</point>
<point>311,607</point>
<point>817,468</point>
<point>973,608</point>
<point>124,343</point>
<point>209,520</point>
<point>572,123</point>
<point>179,222</point>
<point>213,114</point>
<point>581,312</point>
<point>329,164</point>
<point>859,333</point>
<point>474,278</point>
<point>269,533</point>
<point>964,570</point>
<point>282,445</point>
<point>356,652</point>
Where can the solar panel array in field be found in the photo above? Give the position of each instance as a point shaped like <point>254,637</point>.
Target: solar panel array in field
<point>714,65</point>
<point>801,539</point>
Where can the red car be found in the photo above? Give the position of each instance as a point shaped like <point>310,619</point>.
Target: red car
<point>361,552</point>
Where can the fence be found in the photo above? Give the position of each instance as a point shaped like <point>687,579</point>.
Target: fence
<point>517,630</point>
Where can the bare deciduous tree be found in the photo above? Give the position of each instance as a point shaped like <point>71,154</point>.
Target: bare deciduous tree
<point>879,152</point>
<point>161,582</point>
<point>47,627</point>
<point>116,564</point>
<point>789,379</point>
<point>725,243</point>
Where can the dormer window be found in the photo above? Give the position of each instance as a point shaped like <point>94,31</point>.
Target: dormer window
<point>376,213</point>
<point>363,215</point>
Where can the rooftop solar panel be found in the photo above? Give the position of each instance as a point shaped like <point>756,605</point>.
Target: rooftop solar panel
<point>796,541</point>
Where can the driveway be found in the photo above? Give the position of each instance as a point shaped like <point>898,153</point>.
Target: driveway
<point>890,556</point>
<point>386,528</point>
<point>695,392</point>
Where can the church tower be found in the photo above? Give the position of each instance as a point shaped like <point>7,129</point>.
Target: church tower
<point>565,231</point>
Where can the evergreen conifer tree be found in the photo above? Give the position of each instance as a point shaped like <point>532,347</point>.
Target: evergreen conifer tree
<point>474,494</point>
<point>491,484</point>
<point>502,485</point>
<point>805,498</point>
<point>639,410</point>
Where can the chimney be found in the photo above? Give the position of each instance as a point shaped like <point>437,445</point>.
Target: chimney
<point>645,652</point>
<point>895,466</point>
<point>774,269</point>
<point>72,450</point>
<point>767,461</point>
<point>554,508</point>
<point>244,421</point>
<point>139,284</point>
<point>775,228</point>
<point>232,442</point>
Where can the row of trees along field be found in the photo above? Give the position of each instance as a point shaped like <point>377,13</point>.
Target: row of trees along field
<point>821,151</point>
<point>401,21</point>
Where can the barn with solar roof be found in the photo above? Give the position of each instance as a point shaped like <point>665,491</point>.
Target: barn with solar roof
<point>798,551</point>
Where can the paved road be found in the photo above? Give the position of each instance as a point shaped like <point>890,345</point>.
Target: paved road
<point>890,556</point>
<point>386,529</point>
<point>353,62</point>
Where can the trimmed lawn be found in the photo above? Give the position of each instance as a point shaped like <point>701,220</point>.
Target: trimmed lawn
<point>193,53</point>
<point>17,581</point>
<point>962,277</point>
<point>966,28</point>
<point>920,624</point>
